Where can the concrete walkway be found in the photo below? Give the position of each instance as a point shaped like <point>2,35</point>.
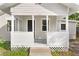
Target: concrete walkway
<point>2,51</point>
<point>40,51</point>
<point>74,46</point>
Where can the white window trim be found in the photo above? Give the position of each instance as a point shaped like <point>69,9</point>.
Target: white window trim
<point>42,24</point>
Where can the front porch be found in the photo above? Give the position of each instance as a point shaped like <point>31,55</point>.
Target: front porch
<point>31,31</point>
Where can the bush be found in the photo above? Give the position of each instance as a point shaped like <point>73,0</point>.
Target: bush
<point>62,53</point>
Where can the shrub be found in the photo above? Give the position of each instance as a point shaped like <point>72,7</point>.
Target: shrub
<point>18,52</point>
<point>62,53</point>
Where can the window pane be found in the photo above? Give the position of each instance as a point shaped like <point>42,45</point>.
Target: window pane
<point>63,26</point>
<point>9,25</point>
<point>44,22</point>
<point>43,28</point>
<point>29,25</point>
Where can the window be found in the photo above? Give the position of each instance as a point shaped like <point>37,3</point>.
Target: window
<point>44,25</point>
<point>8,25</point>
<point>29,25</point>
<point>63,26</point>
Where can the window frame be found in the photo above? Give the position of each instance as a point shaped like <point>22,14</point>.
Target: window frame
<point>44,25</point>
<point>28,25</point>
<point>63,28</point>
<point>8,25</point>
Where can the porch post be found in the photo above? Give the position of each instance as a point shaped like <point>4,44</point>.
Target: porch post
<point>18,24</point>
<point>67,27</point>
<point>47,27</point>
<point>12,25</point>
<point>33,23</point>
<point>47,22</point>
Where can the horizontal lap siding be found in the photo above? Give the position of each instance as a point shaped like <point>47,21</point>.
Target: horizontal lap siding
<point>4,34</point>
<point>56,8</point>
<point>26,9</point>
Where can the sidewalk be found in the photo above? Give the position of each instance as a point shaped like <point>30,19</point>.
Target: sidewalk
<point>40,51</point>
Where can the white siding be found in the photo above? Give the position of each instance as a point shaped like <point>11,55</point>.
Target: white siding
<point>30,9</point>
<point>39,34</point>
<point>4,34</point>
<point>72,28</point>
<point>57,8</point>
<point>52,24</point>
<point>22,21</point>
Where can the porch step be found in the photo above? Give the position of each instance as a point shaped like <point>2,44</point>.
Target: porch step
<point>40,51</point>
<point>43,41</point>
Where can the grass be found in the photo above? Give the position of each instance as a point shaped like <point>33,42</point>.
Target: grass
<point>18,52</point>
<point>5,45</point>
<point>62,53</point>
<point>5,49</point>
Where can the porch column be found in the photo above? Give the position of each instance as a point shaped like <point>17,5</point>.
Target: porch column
<point>18,24</point>
<point>67,27</point>
<point>12,25</point>
<point>47,27</point>
<point>47,22</point>
<point>33,23</point>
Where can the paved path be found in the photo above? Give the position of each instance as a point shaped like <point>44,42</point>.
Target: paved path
<point>74,46</point>
<point>40,51</point>
<point>2,51</point>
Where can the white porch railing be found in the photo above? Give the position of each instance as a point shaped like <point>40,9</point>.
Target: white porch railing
<point>58,39</point>
<point>26,39</point>
<point>22,39</point>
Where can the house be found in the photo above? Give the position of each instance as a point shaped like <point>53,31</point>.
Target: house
<point>38,24</point>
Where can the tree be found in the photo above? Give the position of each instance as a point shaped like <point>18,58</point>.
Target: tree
<point>74,16</point>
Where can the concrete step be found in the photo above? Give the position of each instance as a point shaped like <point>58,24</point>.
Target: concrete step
<point>40,51</point>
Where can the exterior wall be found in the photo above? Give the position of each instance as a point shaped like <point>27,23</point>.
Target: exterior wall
<point>4,34</point>
<point>39,34</point>
<point>72,28</point>
<point>21,23</point>
<point>52,24</point>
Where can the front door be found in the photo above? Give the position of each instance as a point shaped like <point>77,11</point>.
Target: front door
<point>40,31</point>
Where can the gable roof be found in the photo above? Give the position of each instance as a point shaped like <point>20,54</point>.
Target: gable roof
<point>31,9</point>
<point>36,7</point>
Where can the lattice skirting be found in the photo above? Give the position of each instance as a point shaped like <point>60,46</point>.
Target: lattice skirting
<point>59,48</point>
<point>17,48</point>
